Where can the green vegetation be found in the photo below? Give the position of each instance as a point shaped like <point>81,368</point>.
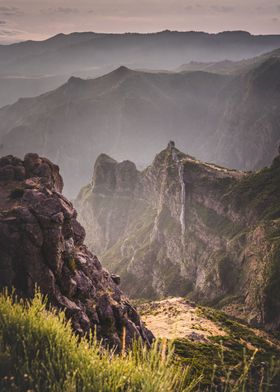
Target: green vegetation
<point>40,353</point>
<point>272,289</point>
<point>72,264</point>
<point>240,360</point>
<point>219,224</point>
<point>259,192</point>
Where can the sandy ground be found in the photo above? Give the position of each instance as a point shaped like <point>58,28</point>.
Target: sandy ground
<point>178,318</point>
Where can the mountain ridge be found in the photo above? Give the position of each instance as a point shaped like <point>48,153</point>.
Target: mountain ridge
<point>207,113</point>
<point>187,227</point>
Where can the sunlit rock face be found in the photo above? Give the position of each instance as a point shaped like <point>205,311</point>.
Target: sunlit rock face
<point>186,227</point>
<point>42,243</point>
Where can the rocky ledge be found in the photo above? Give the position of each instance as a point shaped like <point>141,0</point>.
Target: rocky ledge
<point>41,242</point>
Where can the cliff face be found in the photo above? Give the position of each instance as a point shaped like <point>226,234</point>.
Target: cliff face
<point>185,227</point>
<point>41,242</point>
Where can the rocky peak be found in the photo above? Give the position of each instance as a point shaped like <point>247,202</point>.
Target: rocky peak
<point>32,168</point>
<point>104,173</point>
<point>111,176</point>
<point>41,242</point>
<point>194,228</point>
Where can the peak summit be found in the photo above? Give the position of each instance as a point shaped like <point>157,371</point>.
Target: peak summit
<point>122,68</point>
<point>75,79</point>
<point>121,71</point>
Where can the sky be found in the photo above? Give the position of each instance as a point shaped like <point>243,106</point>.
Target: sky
<point>35,19</point>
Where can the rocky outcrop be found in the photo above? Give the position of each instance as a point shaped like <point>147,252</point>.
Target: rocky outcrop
<point>192,228</point>
<point>42,243</point>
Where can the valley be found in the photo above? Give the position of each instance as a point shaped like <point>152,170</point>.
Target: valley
<point>139,204</point>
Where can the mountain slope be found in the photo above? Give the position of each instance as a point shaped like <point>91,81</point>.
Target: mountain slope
<point>33,67</point>
<point>251,119</point>
<point>203,336</point>
<point>232,120</point>
<point>189,228</point>
<point>227,66</point>
<point>115,113</point>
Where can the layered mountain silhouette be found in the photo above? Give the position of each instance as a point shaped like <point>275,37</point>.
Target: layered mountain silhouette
<point>232,120</point>
<point>32,67</point>
<point>186,227</point>
<point>228,66</point>
<point>75,51</point>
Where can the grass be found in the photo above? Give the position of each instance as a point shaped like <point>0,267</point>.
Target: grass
<point>219,224</point>
<point>39,352</point>
<point>240,344</point>
<point>258,192</point>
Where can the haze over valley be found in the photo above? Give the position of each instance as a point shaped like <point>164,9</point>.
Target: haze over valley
<point>229,118</point>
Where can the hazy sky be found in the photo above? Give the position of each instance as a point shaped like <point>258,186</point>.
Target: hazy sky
<point>36,19</point>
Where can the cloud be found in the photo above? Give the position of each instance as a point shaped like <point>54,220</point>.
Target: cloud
<point>9,33</point>
<point>10,11</point>
<point>3,22</point>
<point>59,11</point>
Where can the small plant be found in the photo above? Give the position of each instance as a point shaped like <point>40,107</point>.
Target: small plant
<point>72,264</point>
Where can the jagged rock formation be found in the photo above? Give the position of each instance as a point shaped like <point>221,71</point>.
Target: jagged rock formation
<point>41,242</point>
<point>185,227</point>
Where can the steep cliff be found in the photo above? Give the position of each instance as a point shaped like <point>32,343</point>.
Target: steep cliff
<point>41,242</point>
<point>185,227</point>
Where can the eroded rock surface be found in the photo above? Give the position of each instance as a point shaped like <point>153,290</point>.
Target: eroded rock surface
<point>188,227</point>
<point>41,242</point>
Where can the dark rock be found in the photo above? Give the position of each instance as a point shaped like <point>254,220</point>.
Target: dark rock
<point>41,242</point>
<point>7,173</point>
<point>48,173</point>
<point>79,232</point>
<point>116,279</point>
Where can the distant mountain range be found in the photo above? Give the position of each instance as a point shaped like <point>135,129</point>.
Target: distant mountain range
<point>228,67</point>
<point>67,53</point>
<point>232,120</point>
<point>91,54</point>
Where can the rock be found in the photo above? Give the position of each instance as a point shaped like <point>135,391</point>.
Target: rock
<point>116,279</point>
<point>189,228</point>
<point>48,173</point>
<point>41,242</point>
